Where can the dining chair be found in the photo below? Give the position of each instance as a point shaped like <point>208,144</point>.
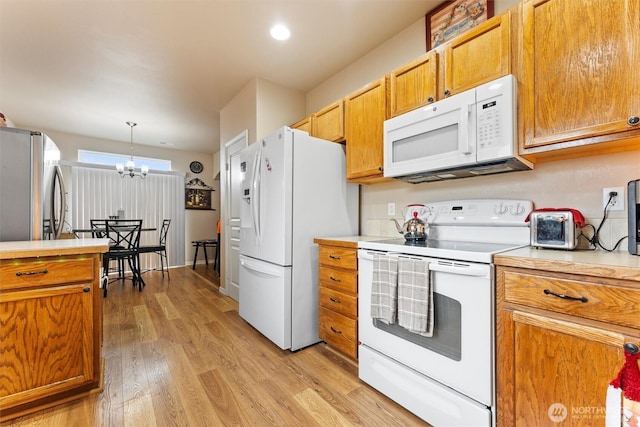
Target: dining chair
<point>99,231</point>
<point>124,236</point>
<point>160,248</point>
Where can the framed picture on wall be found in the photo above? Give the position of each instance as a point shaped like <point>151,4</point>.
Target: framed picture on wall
<point>453,18</point>
<point>197,195</point>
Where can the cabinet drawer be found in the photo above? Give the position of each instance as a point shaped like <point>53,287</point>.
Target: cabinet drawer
<point>339,302</point>
<point>602,302</point>
<point>21,273</point>
<point>336,278</point>
<point>339,331</point>
<point>338,257</point>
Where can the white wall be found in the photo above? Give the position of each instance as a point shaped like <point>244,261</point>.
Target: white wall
<point>290,107</point>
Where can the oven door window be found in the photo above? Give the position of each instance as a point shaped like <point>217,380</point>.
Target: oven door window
<point>447,329</point>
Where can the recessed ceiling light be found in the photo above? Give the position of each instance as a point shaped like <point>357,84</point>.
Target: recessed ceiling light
<point>280,32</point>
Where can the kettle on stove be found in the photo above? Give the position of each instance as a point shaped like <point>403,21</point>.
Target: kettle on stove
<point>413,229</point>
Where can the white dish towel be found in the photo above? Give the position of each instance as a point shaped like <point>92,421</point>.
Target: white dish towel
<point>384,288</point>
<point>415,296</point>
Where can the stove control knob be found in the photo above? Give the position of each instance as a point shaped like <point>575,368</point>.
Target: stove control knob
<point>516,210</point>
<point>500,209</point>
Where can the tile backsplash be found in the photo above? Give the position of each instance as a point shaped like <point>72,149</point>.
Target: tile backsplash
<point>574,183</point>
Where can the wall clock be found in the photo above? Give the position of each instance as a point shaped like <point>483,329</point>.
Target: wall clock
<point>196,167</point>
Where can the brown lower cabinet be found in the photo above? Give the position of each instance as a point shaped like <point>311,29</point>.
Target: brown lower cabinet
<point>338,295</point>
<point>560,340</point>
<point>50,330</point>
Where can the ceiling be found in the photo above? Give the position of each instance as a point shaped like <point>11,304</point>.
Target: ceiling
<point>88,66</point>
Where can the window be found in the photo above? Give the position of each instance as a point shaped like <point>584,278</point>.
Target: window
<point>111,159</point>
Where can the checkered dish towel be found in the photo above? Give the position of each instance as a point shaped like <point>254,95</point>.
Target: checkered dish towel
<point>384,288</point>
<point>415,296</point>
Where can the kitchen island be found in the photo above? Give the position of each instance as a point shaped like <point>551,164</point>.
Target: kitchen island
<point>564,321</point>
<point>50,323</point>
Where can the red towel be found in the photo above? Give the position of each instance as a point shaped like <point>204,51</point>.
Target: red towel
<point>577,216</point>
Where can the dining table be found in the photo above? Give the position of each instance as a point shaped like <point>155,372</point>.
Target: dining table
<point>115,243</point>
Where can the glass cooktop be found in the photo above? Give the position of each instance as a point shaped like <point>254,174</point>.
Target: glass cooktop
<point>457,250</point>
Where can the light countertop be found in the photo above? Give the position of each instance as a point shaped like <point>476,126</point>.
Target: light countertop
<point>35,248</point>
<point>347,241</point>
<point>617,265</point>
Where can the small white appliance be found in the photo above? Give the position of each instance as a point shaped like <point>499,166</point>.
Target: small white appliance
<point>293,189</point>
<point>448,378</point>
<point>468,134</point>
<point>32,194</point>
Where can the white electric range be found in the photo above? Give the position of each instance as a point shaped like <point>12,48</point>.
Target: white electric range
<point>447,378</point>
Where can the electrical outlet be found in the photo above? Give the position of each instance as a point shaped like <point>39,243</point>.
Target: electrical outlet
<point>617,202</point>
<point>391,209</point>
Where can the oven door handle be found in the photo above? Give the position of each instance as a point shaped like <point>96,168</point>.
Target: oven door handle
<point>467,270</point>
<point>368,254</point>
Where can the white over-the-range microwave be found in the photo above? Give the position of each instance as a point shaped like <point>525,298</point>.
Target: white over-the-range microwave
<point>468,134</point>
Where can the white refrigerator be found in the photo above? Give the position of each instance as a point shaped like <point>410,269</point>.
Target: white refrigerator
<point>293,189</point>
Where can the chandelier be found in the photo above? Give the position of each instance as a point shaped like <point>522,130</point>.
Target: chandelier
<point>129,168</point>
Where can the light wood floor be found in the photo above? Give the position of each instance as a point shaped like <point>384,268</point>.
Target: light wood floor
<point>178,354</point>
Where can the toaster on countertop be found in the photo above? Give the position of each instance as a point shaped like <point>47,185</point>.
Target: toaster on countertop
<point>555,227</point>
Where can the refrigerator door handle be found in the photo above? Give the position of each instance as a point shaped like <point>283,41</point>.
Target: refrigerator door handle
<point>255,207</point>
<point>58,226</point>
<point>261,268</point>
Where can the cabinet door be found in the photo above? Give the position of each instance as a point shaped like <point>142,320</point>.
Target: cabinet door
<point>365,113</point>
<point>46,342</point>
<point>561,371</point>
<point>478,56</point>
<point>328,123</point>
<point>414,85</point>
<point>578,77</point>
<point>303,125</point>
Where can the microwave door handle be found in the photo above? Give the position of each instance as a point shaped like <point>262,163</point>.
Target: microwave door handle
<point>465,112</point>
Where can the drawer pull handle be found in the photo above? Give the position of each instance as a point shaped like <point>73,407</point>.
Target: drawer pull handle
<point>336,300</point>
<point>563,296</point>
<point>336,331</point>
<point>334,279</point>
<point>86,289</point>
<point>631,348</point>
<point>334,257</point>
<point>31,273</point>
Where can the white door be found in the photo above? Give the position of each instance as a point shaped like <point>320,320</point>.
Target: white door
<point>231,231</point>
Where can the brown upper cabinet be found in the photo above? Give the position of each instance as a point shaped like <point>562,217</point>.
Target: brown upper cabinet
<point>414,85</point>
<point>328,123</point>
<point>303,125</point>
<point>471,59</point>
<point>478,56</point>
<point>579,91</point>
<point>365,113</point>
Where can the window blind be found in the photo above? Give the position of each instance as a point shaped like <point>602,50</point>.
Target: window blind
<point>99,192</point>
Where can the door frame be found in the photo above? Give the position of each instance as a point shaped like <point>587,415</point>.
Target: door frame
<point>225,258</point>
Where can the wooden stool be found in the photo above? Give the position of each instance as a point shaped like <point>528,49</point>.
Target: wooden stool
<point>204,243</point>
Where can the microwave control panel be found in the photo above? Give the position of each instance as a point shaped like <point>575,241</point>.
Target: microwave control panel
<point>489,122</point>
